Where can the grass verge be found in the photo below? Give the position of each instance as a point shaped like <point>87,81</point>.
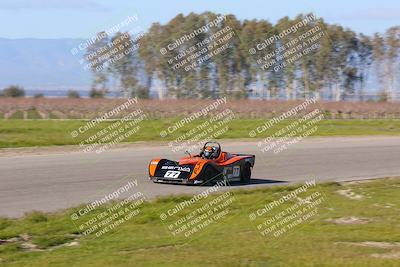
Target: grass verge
<point>27,133</point>
<point>356,225</point>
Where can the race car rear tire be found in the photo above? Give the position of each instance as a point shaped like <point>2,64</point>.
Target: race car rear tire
<point>246,173</point>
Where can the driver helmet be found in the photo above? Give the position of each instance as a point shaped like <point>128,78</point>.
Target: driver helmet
<point>209,152</point>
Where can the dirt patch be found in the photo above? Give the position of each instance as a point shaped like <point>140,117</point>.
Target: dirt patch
<point>394,247</point>
<point>375,244</point>
<point>389,256</point>
<point>349,220</point>
<point>154,248</point>
<point>357,182</point>
<point>386,205</point>
<point>27,245</point>
<point>349,194</point>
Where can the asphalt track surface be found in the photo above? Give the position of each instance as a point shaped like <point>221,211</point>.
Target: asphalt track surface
<point>50,180</point>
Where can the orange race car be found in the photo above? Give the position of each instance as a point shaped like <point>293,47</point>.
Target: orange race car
<point>210,166</point>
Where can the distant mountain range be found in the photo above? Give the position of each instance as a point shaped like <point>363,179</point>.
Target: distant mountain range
<point>42,64</point>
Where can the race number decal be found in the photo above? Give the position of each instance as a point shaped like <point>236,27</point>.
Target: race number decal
<point>236,171</point>
<point>172,174</point>
<point>232,172</point>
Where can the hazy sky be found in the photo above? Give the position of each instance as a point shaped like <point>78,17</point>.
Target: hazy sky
<point>83,18</point>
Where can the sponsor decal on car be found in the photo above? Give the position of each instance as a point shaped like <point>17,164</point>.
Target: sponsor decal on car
<point>177,168</point>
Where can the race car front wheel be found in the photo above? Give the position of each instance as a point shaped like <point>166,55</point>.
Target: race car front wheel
<point>246,173</point>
